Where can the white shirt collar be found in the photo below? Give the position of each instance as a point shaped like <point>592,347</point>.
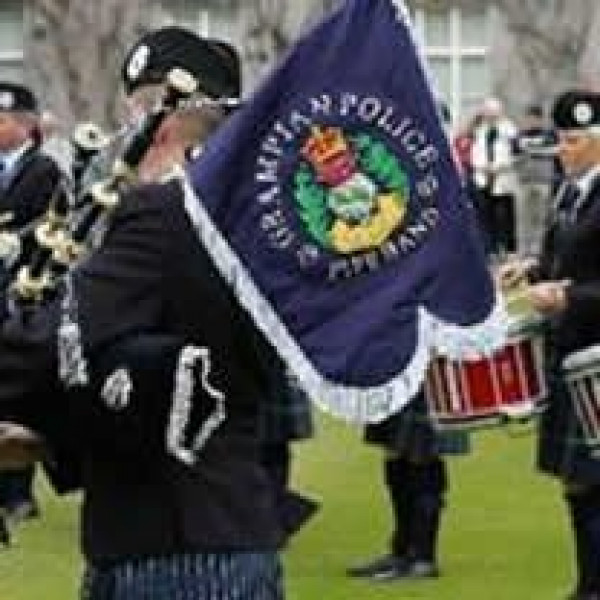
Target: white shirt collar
<point>10,159</point>
<point>585,181</point>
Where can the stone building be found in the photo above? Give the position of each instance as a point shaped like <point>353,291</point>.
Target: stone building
<point>522,51</point>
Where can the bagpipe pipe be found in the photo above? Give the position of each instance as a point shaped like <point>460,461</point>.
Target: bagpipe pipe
<point>87,141</point>
<point>62,234</point>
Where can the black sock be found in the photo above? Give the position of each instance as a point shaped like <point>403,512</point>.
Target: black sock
<point>584,509</point>
<point>427,484</point>
<point>396,481</point>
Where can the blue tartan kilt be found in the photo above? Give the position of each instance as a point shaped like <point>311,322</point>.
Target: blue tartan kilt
<point>562,449</point>
<point>218,576</point>
<point>412,434</point>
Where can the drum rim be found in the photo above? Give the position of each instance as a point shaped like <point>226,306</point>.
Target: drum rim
<point>492,411</point>
<point>574,361</point>
<point>498,416</point>
<point>533,335</point>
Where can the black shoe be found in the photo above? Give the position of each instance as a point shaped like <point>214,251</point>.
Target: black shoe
<point>391,568</point>
<point>380,567</point>
<point>584,596</point>
<point>422,569</point>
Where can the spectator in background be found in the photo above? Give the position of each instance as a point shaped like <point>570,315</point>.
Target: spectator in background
<point>494,176</point>
<point>539,173</point>
<point>463,144</point>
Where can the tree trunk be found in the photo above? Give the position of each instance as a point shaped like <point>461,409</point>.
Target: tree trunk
<point>269,27</point>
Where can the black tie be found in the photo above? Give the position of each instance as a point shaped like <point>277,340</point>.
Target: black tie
<point>490,140</point>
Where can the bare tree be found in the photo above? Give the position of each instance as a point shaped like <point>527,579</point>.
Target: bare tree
<point>269,27</point>
<point>549,45</point>
<point>74,50</point>
<point>265,35</point>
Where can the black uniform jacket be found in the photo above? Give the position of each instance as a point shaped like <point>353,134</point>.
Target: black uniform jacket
<point>151,276</point>
<point>29,186</point>
<point>25,192</point>
<point>572,251</point>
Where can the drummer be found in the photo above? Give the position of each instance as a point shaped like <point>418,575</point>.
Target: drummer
<point>566,289</point>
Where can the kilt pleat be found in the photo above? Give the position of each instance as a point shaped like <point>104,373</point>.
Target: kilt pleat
<point>222,576</point>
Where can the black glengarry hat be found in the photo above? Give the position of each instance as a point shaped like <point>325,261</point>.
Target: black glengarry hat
<point>214,63</point>
<point>16,98</point>
<point>577,109</point>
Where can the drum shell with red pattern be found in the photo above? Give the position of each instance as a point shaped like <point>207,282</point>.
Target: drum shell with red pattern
<point>490,389</point>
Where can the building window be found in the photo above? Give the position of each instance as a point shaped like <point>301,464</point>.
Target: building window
<point>455,42</point>
<point>11,40</point>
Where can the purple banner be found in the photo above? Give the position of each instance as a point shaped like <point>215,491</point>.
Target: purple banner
<point>332,204</point>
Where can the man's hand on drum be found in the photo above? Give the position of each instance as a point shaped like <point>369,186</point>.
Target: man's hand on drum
<point>19,447</point>
<point>513,273</point>
<point>549,297</point>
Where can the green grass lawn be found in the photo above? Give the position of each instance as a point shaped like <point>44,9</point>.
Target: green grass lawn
<point>504,533</point>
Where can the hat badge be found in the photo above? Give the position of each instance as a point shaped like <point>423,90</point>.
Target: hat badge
<point>138,61</point>
<point>583,113</point>
<point>7,100</point>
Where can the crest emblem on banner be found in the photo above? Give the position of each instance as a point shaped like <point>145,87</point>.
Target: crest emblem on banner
<point>351,192</point>
<point>349,181</point>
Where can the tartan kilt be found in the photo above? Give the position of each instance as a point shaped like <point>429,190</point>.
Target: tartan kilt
<point>562,451</point>
<point>412,434</point>
<point>210,576</point>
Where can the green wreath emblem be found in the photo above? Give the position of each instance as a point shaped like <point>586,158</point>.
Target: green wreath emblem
<point>374,160</point>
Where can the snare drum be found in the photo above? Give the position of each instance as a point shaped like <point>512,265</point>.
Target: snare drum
<point>510,383</point>
<point>582,375</point>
